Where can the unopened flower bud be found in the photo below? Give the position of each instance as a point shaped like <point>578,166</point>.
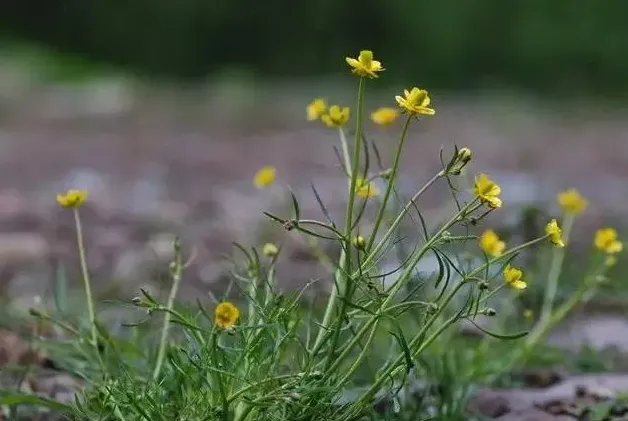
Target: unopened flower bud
<point>483,285</point>
<point>290,224</point>
<point>34,312</point>
<point>464,155</point>
<point>490,312</point>
<point>386,174</point>
<point>359,242</point>
<point>270,250</point>
<point>136,301</point>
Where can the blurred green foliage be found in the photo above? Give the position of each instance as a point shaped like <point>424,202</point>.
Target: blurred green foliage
<point>573,46</point>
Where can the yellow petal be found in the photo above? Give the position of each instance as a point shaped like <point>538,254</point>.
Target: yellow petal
<point>518,284</point>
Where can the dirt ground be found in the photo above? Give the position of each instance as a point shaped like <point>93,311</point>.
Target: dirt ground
<point>159,162</point>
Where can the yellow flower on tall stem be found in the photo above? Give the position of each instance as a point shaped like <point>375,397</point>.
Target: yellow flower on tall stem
<point>365,66</point>
<point>491,244</point>
<point>226,315</point>
<point>488,191</point>
<point>514,278</point>
<point>606,240</point>
<point>572,201</point>
<point>336,116</point>
<point>316,109</point>
<point>384,116</point>
<point>555,233</point>
<point>72,198</point>
<point>265,177</point>
<point>415,101</point>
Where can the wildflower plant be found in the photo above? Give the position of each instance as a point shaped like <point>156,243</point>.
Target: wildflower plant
<point>257,353</point>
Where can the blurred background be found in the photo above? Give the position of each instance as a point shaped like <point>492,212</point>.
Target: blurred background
<point>164,110</point>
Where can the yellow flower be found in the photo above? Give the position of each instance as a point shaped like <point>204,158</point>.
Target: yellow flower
<point>73,198</point>
<point>384,116</point>
<point>365,188</point>
<point>491,244</point>
<point>270,250</point>
<point>572,201</point>
<point>416,101</point>
<point>488,191</point>
<point>226,315</point>
<point>514,277</point>
<point>316,109</point>
<point>555,234</point>
<point>336,116</point>
<point>365,65</point>
<point>606,240</point>
<point>265,177</point>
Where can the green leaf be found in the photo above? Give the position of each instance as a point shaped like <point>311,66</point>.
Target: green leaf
<point>499,336</point>
<point>403,344</point>
<point>295,206</point>
<point>20,399</point>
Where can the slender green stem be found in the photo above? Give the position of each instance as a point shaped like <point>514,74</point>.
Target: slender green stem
<point>176,280</point>
<point>556,266</point>
<point>392,291</point>
<point>245,389</point>
<point>345,152</point>
<point>391,183</point>
<point>541,330</point>
<point>341,278</point>
<point>505,255</point>
<point>253,293</point>
<point>391,368</point>
<point>86,279</point>
<point>372,255</point>
<point>358,361</point>
<point>346,267</point>
<point>270,284</point>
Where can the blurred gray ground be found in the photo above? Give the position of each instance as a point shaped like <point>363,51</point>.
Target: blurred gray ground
<point>159,161</point>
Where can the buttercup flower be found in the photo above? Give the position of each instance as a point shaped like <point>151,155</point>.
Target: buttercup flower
<point>365,188</point>
<point>384,116</point>
<point>316,109</point>
<point>491,244</point>
<point>226,315</point>
<point>270,250</point>
<point>555,233</point>
<point>572,201</point>
<point>514,277</point>
<point>416,101</point>
<point>73,198</point>
<point>606,240</point>
<point>336,116</point>
<point>488,191</point>
<point>365,65</point>
<point>265,177</point>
